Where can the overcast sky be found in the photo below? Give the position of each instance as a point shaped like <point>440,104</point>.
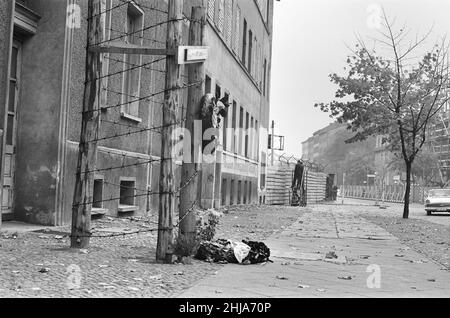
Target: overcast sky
<point>310,38</point>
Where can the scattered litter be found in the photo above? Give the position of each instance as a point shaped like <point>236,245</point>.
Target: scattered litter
<point>282,278</point>
<point>133,288</point>
<point>179,274</point>
<point>304,286</point>
<point>15,272</point>
<point>59,237</point>
<point>399,255</point>
<point>156,277</point>
<point>320,290</point>
<point>84,251</point>
<point>285,264</point>
<point>44,270</point>
<point>432,280</point>
<point>331,255</point>
<point>138,279</point>
<point>35,289</point>
<point>109,287</point>
<point>364,257</point>
<point>42,237</point>
<point>103,266</point>
<point>218,292</point>
<point>346,278</point>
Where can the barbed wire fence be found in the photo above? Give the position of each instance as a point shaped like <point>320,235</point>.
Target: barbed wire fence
<point>114,131</point>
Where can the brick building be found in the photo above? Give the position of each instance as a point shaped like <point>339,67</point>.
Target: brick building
<point>42,63</point>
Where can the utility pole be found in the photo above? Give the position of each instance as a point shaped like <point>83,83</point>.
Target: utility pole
<point>87,155</point>
<point>190,185</point>
<point>164,250</point>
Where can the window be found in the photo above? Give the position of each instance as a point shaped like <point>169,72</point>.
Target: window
<point>252,127</point>
<point>239,193</point>
<point>228,21</point>
<point>250,51</point>
<point>208,84</point>
<point>211,8</point>
<point>221,15</point>
<point>244,43</point>
<point>127,201</point>
<point>232,192</point>
<point>241,128</point>
<point>265,77</point>
<point>237,29</point>
<point>225,129</point>
<point>224,192</point>
<point>250,193</point>
<point>257,140</point>
<point>98,194</point>
<point>218,92</point>
<point>132,74</point>
<point>234,124</point>
<point>245,192</point>
<point>246,134</point>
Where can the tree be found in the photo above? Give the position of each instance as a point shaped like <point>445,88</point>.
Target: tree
<point>395,94</point>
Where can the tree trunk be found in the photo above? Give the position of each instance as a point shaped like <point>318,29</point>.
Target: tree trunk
<point>407,190</point>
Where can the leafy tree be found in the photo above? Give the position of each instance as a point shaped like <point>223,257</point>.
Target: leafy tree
<point>392,92</point>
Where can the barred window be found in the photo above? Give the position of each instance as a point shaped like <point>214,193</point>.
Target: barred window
<point>228,21</point>
<point>221,15</point>
<point>211,8</point>
<point>237,30</point>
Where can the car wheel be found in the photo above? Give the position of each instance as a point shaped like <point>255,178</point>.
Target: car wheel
<point>429,213</point>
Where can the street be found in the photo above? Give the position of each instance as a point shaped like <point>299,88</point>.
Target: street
<point>325,250</point>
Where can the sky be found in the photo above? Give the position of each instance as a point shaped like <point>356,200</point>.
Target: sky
<point>310,41</point>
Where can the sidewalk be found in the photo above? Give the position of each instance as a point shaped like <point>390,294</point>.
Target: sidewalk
<point>301,269</point>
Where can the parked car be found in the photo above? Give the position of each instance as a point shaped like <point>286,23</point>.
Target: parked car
<point>438,200</point>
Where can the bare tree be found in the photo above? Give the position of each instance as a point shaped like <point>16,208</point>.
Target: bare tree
<point>393,90</point>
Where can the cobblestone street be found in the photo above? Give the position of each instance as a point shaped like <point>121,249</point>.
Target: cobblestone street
<point>39,264</point>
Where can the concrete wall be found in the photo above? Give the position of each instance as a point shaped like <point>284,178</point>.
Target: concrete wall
<point>38,111</point>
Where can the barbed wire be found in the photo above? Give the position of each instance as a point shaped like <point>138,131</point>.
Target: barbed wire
<point>146,231</point>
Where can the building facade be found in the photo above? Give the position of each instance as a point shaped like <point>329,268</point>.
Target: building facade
<point>42,62</point>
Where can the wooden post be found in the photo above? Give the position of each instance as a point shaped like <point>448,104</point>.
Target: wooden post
<point>190,192</point>
<point>82,200</point>
<point>164,248</point>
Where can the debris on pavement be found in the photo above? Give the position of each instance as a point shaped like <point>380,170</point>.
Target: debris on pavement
<point>227,251</point>
<point>282,278</point>
<point>346,277</point>
<point>44,270</point>
<point>331,255</point>
<point>303,286</point>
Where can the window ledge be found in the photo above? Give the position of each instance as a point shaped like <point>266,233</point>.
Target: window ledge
<point>130,117</point>
<point>99,211</point>
<point>128,208</point>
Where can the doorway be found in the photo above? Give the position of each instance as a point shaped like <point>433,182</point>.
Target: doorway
<point>11,132</point>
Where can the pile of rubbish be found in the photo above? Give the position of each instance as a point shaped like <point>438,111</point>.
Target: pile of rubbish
<point>227,251</point>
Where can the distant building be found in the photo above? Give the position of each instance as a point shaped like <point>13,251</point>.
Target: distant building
<point>360,161</point>
<point>42,65</point>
